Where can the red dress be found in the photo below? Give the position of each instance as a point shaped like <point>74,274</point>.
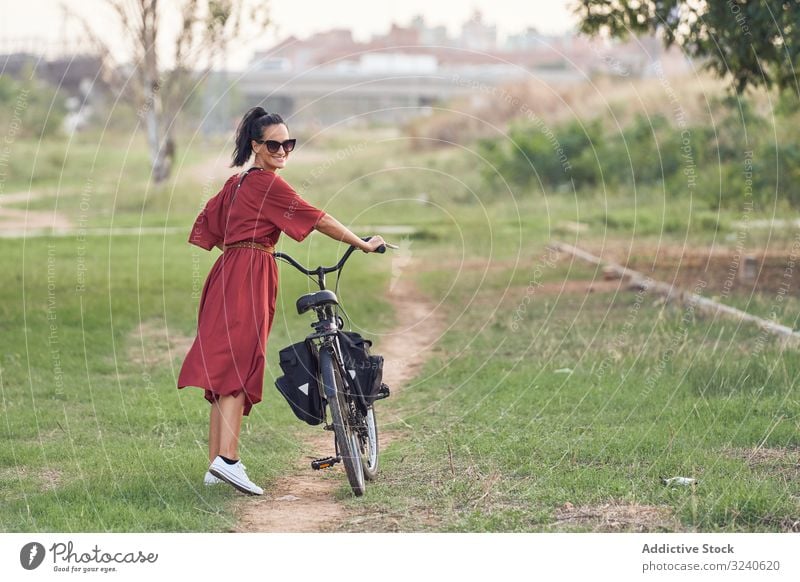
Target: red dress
<point>238,301</point>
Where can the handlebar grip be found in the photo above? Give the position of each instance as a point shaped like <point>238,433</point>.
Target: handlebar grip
<point>380,249</point>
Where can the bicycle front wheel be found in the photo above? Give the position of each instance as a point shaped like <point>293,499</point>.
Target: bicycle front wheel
<point>369,445</point>
<point>346,435</point>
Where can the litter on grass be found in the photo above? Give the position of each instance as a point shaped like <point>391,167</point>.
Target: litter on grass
<point>683,481</point>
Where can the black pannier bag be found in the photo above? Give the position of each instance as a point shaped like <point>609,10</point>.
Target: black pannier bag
<point>299,382</point>
<point>364,368</point>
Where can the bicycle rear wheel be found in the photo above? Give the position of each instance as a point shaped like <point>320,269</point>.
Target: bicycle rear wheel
<point>346,435</point>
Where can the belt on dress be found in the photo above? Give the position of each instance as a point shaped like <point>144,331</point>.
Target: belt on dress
<point>249,245</point>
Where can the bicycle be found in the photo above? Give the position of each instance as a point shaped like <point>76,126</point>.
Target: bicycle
<point>354,425</point>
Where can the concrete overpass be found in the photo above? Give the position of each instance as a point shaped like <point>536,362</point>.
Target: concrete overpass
<point>325,96</point>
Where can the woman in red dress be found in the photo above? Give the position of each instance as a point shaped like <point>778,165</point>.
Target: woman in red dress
<point>245,220</point>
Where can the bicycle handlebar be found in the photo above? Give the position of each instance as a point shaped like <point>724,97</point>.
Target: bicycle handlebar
<point>325,270</point>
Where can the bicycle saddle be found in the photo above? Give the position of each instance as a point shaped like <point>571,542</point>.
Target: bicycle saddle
<point>317,299</point>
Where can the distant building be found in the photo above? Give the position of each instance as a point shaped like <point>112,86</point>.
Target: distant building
<point>427,35</point>
<point>401,36</point>
<point>528,40</point>
<point>477,35</point>
<point>330,78</point>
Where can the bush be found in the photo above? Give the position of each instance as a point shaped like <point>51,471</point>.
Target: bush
<point>706,162</point>
<point>30,108</point>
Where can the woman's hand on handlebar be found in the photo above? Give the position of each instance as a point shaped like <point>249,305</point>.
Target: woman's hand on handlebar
<point>328,225</point>
<point>373,244</point>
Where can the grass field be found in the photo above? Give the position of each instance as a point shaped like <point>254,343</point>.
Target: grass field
<point>543,407</point>
<point>569,422</point>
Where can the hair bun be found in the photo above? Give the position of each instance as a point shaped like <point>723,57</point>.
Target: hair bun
<point>255,113</point>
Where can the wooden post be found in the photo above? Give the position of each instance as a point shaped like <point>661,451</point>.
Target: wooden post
<point>701,303</point>
<point>748,270</point>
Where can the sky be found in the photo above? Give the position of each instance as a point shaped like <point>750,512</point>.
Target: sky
<point>43,22</point>
<point>367,17</point>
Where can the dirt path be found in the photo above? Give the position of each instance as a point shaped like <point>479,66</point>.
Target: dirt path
<point>304,501</point>
<point>18,222</point>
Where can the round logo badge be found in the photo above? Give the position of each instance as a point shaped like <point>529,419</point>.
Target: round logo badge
<point>31,555</point>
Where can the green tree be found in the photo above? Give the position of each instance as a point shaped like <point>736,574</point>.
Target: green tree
<point>752,42</point>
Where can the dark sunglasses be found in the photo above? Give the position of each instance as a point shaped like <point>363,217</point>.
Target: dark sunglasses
<point>273,146</point>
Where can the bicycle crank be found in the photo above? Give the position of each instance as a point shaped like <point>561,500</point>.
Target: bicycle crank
<point>318,464</point>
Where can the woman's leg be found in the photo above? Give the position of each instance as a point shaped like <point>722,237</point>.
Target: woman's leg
<point>214,431</point>
<point>226,422</point>
<point>230,423</point>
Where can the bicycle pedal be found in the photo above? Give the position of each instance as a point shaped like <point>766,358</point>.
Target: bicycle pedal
<point>383,392</point>
<point>318,464</point>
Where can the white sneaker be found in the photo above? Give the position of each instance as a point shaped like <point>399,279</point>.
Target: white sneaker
<point>209,479</point>
<point>235,476</point>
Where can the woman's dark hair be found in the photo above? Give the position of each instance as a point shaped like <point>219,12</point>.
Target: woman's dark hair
<point>251,127</point>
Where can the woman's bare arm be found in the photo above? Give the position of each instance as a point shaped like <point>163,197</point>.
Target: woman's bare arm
<point>331,227</point>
